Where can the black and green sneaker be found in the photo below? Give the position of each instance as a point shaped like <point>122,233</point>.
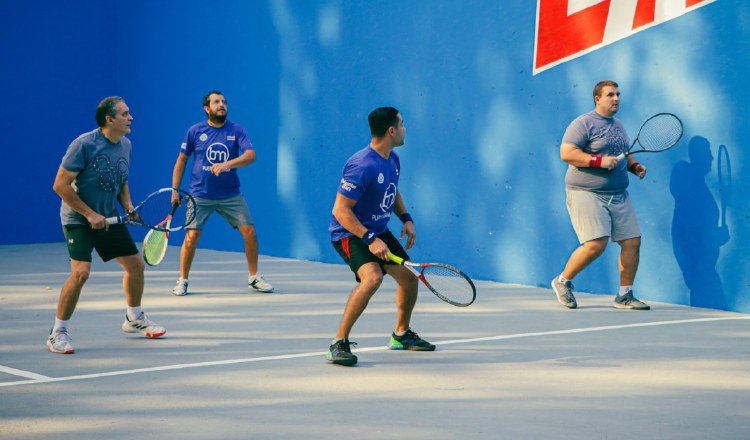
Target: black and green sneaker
<point>340,353</point>
<point>409,341</point>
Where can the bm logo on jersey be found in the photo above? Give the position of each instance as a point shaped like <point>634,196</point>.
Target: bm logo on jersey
<point>217,153</point>
<point>389,197</point>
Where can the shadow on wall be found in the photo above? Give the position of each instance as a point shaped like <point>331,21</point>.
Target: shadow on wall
<point>699,228</point>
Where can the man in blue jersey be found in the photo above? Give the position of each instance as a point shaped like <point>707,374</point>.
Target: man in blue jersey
<point>597,200</point>
<point>367,196</point>
<point>219,147</point>
<point>92,178</point>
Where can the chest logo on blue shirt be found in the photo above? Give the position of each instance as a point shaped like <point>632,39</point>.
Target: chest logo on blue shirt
<point>389,198</point>
<point>111,176</point>
<point>381,178</point>
<point>217,153</point>
<point>203,137</point>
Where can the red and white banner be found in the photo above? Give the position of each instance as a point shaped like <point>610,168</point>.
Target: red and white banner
<point>567,29</point>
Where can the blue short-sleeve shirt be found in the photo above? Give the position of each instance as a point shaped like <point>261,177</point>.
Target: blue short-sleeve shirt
<point>372,181</point>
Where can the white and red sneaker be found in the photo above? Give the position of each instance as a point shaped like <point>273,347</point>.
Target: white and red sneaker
<point>59,342</point>
<point>143,325</point>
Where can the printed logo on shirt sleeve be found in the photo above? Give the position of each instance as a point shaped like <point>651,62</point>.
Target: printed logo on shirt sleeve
<point>348,186</point>
<point>183,146</point>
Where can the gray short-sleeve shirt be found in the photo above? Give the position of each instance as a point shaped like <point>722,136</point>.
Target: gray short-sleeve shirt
<point>595,134</point>
<point>102,168</point>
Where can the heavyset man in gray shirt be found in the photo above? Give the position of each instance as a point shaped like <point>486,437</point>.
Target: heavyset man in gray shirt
<point>597,198</point>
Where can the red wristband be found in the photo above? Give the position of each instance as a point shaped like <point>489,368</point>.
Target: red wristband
<point>633,166</point>
<point>595,161</point>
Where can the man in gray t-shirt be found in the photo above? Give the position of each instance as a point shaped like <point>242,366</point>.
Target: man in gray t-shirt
<point>93,176</point>
<point>597,199</point>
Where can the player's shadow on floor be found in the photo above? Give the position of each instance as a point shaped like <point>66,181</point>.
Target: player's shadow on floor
<point>698,228</point>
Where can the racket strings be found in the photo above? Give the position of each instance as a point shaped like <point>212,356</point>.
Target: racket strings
<point>156,209</point>
<point>154,246</point>
<point>449,283</point>
<point>660,132</point>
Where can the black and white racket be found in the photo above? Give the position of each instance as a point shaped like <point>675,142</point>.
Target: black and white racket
<point>659,133</point>
<point>157,208</point>
<point>446,282</point>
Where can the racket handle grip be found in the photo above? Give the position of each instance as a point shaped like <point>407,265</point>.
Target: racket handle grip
<point>395,258</point>
<point>114,220</point>
<point>620,157</point>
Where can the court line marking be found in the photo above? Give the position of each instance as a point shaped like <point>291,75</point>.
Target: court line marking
<point>22,373</point>
<point>46,379</point>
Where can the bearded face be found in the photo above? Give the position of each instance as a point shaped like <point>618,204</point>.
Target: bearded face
<point>217,109</point>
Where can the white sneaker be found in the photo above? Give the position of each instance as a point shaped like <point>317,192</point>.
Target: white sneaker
<point>258,283</point>
<point>180,289</point>
<point>143,325</point>
<point>59,342</point>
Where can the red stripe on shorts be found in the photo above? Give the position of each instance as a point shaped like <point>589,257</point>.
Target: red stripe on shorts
<point>345,246</point>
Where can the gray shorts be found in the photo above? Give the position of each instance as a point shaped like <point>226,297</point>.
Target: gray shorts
<point>598,215</point>
<point>234,210</point>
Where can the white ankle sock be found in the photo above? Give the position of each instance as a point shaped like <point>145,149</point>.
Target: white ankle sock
<point>624,290</point>
<point>562,279</point>
<point>134,313</point>
<point>59,323</point>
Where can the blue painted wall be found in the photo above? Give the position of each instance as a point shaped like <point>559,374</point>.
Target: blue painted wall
<point>482,175</point>
<point>56,64</point>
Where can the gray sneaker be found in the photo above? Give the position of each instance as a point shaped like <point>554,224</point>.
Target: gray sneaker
<point>181,288</point>
<point>564,293</point>
<point>628,301</point>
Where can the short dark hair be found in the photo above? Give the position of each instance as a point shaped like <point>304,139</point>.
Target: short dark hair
<point>601,85</point>
<point>381,119</point>
<point>207,98</point>
<point>106,108</point>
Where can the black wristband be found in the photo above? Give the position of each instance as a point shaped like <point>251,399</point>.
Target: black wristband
<point>405,217</point>
<point>369,236</point>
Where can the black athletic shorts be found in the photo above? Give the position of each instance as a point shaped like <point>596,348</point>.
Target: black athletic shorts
<point>356,253</point>
<point>82,240</point>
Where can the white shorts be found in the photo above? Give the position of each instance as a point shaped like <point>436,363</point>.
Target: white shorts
<point>599,215</point>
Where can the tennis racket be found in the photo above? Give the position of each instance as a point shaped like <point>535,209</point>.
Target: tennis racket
<point>724,169</point>
<point>446,282</point>
<point>155,211</point>
<point>156,241</point>
<point>660,132</point>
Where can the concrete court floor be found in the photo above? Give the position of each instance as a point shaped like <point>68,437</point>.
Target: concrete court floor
<point>234,364</point>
